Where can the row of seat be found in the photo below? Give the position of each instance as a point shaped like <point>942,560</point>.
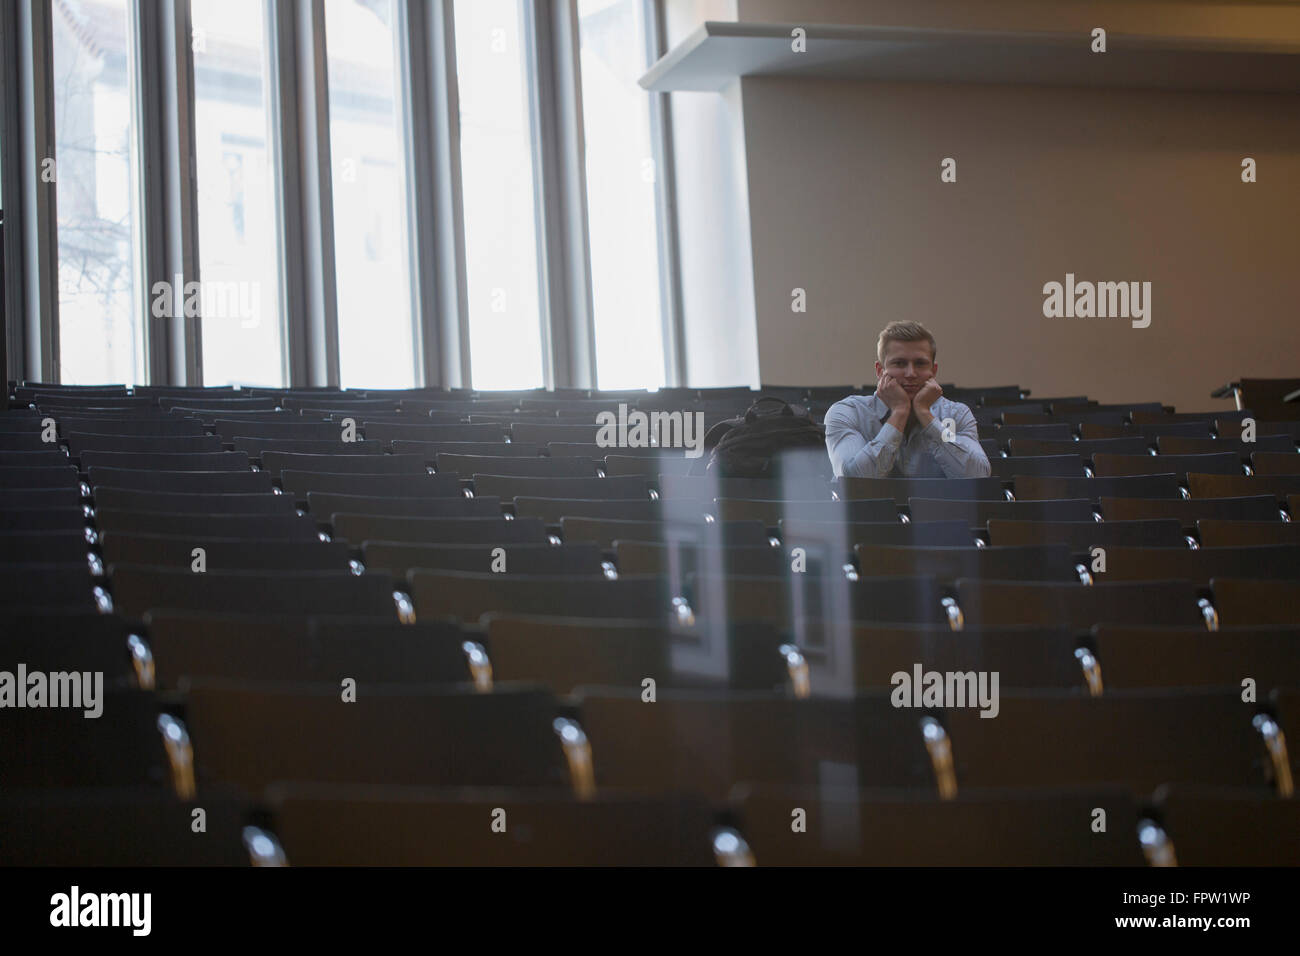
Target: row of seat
<point>706,599</point>
<point>160,536</point>
<point>1272,397</point>
<point>420,483</point>
<point>329,574</point>
<point>585,460</point>
<point>24,431</point>
<point>37,509</point>
<point>319,824</point>
<point>171,648</point>
<point>250,735</point>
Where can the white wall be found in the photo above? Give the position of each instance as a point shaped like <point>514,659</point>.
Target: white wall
<point>681,17</point>
<point>1273,19</point>
<point>846,201</point>
<point>721,338</point>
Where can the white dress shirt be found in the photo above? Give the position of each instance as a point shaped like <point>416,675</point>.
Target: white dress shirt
<point>862,443</point>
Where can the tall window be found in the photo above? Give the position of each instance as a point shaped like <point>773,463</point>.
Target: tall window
<point>242,341</point>
<point>497,180</point>
<point>621,212</point>
<point>95,169</point>
<point>376,338</point>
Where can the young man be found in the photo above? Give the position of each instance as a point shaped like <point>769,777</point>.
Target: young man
<point>900,431</point>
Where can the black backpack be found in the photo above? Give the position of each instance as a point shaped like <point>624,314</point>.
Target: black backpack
<point>755,445</point>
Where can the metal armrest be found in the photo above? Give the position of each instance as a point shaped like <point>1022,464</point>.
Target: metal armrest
<point>1210,615</point>
<point>956,620</point>
<point>180,755</point>
<point>405,609</point>
<point>263,848</point>
<point>577,752</point>
<point>1091,670</point>
<point>797,666</point>
<point>480,667</point>
<point>142,661</point>
<point>683,615</point>
<point>939,747</point>
<point>1275,743</point>
<point>1156,845</point>
<point>730,848</point>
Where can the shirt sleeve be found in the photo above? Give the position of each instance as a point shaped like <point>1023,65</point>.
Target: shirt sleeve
<point>962,457</point>
<point>853,455</point>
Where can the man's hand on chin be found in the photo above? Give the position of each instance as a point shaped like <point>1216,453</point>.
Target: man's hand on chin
<point>926,396</point>
<point>889,391</point>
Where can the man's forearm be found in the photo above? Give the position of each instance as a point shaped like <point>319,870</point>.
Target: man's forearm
<point>962,458</point>
<point>872,460</point>
<point>960,455</point>
<point>962,462</point>
<point>853,456</point>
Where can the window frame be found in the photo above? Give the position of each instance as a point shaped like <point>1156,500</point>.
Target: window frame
<point>299,122</point>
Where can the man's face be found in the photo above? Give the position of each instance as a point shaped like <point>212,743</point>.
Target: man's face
<point>910,364</point>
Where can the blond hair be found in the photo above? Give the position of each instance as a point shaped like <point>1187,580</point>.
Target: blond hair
<point>905,332</point>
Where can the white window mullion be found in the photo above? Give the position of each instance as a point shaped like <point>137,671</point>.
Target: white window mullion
<point>31,221</point>
<point>552,36</point>
<point>300,127</point>
<point>168,206</point>
<point>426,42</point>
<point>661,126</point>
